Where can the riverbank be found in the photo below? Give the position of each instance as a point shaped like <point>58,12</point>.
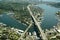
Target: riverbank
<point>53,33</point>
<point>20,11</point>
<point>8,33</point>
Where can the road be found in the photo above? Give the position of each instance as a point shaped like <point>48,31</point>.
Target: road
<point>25,31</point>
<point>37,24</point>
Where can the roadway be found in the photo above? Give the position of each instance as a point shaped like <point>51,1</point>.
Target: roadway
<point>25,31</point>
<point>42,34</point>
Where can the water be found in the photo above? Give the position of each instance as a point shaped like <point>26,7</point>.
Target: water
<point>6,19</point>
<point>11,22</point>
<point>48,22</point>
<point>49,16</point>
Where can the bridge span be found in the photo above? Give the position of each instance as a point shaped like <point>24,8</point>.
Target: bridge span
<point>42,34</point>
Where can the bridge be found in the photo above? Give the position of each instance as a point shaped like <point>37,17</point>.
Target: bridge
<point>25,31</point>
<point>42,34</point>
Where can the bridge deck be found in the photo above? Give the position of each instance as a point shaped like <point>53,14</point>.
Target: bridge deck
<point>37,24</point>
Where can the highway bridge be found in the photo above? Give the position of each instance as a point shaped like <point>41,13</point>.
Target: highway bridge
<point>42,34</point>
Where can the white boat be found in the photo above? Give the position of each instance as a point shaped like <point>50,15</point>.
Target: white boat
<point>20,31</point>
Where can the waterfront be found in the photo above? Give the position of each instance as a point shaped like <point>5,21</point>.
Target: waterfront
<point>11,22</point>
<point>6,19</point>
<point>29,20</point>
<point>49,16</point>
<point>48,22</point>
